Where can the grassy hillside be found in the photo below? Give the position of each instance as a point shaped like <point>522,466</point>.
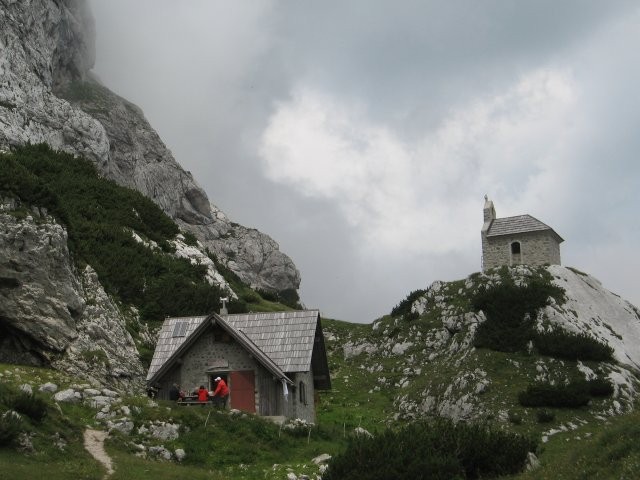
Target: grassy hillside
<point>431,358</point>
<point>217,445</point>
<point>223,445</point>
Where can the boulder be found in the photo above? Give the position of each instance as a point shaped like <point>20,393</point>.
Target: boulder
<point>69,395</point>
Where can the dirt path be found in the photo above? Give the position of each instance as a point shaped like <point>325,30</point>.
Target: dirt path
<point>94,443</point>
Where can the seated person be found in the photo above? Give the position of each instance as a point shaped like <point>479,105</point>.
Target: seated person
<point>203,394</point>
<point>174,392</point>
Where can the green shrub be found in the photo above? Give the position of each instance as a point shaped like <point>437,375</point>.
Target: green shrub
<point>146,355</point>
<point>572,346</point>
<point>545,416</point>
<point>290,298</point>
<point>515,418</point>
<point>269,296</point>
<point>510,312</point>
<point>100,217</point>
<point>572,395</point>
<point>436,450</point>
<point>7,394</point>
<point>10,427</point>
<point>190,239</point>
<point>404,307</point>
<point>33,406</point>
<point>96,355</point>
<point>599,387</point>
<point>251,297</point>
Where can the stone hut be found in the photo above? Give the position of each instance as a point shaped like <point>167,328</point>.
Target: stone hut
<point>517,240</point>
<point>274,363</point>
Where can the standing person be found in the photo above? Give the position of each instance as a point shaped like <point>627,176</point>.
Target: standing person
<point>203,394</point>
<point>221,393</point>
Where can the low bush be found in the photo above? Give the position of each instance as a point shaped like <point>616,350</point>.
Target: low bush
<point>190,239</point>
<point>404,307</point>
<point>572,346</point>
<point>268,296</point>
<point>434,450</point>
<point>572,395</point>
<point>511,311</point>
<point>545,416</point>
<point>30,405</point>
<point>599,387</point>
<point>515,418</point>
<point>10,427</point>
<point>290,298</point>
<point>251,297</point>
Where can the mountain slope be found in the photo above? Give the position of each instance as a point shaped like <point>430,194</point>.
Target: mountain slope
<point>48,95</point>
<point>88,268</point>
<point>423,361</point>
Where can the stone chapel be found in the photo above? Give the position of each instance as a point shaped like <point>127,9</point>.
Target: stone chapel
<point>517,240</point>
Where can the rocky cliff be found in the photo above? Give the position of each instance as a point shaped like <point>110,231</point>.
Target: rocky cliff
<point>51,314</point>
<point>48,94</point>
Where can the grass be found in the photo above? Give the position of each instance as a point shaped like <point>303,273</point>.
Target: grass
<point>65,423</point>
<point>594,451</point>
<point>217,444</point>
<point>75,463</point>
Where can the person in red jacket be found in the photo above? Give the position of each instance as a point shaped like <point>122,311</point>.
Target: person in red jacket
<point>221,393</point>
<point>203,394</point>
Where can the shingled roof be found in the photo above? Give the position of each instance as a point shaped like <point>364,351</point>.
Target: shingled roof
<point>285,339</point>
<point>517,225</point>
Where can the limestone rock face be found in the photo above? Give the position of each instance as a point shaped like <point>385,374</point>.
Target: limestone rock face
<point>50,315</point>
<point>48,94</point>
<point>40,296</point>
<point>42,44</point>
<point>102,349</point>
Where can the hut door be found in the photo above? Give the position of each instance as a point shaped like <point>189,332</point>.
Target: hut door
<point>242,386</point>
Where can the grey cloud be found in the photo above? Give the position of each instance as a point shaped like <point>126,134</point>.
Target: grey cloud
<point>209,75</point>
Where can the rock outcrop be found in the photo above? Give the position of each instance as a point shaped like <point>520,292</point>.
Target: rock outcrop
<point>48,94</point>
<point>50,314</point>
<point>40,296</point>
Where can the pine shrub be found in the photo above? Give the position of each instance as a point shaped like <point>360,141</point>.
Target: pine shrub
<point>404,307</point>
<point>572,346</point>
<point>511,311</point>
<point>599,387</point>
<point>10,427</point>
<point>289,297</point>
<point>32,406</point>
<point>435,450</point>
<point>545,416</point>
<point>572,395</point>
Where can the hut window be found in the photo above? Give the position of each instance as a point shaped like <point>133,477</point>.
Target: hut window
<point>515,248</point>
<point>303,393</point>
<point>180,329</point>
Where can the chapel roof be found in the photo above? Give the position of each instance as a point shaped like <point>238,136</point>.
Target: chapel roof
<point>517,225</point>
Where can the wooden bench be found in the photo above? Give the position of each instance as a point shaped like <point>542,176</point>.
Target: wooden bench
<point>192,400</point>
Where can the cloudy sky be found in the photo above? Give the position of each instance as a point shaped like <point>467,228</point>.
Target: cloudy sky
<point>363,135</point>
